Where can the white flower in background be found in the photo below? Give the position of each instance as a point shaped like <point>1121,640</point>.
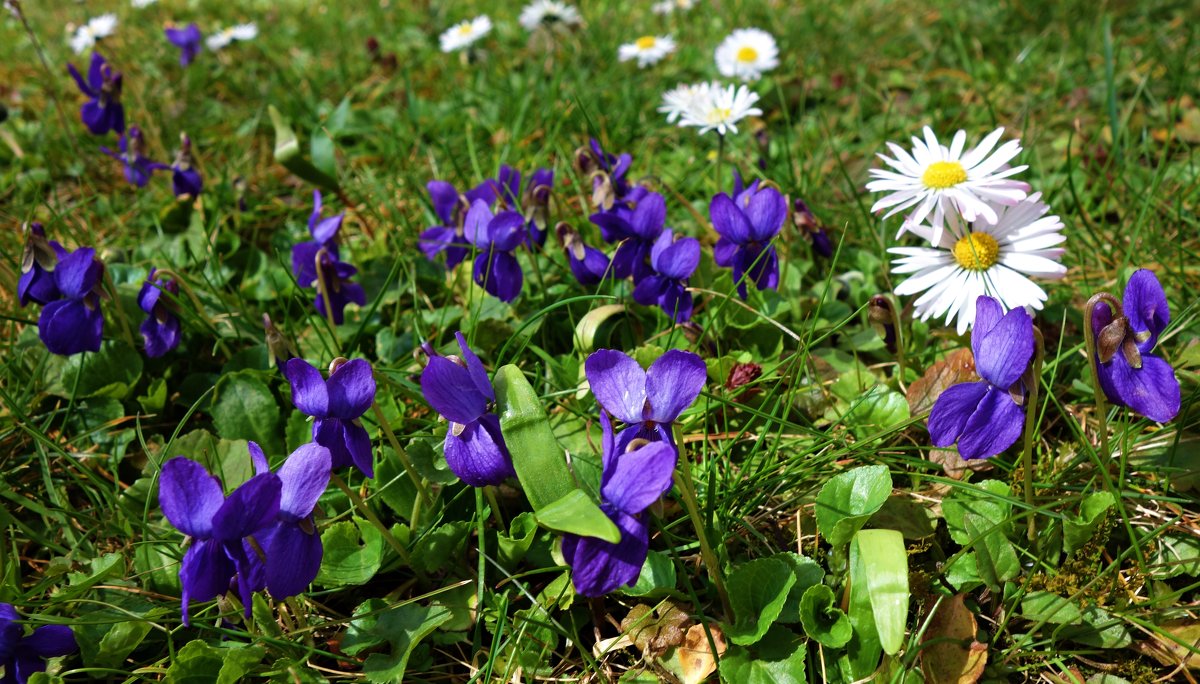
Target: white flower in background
<point>940,181</point>
<point>465,33</point>
<point>669,6</point>
<point>549,13</point>
<point>746,53</point>
<point>97,27</point>
<point>994,259</point>
<point>719,108</point>
<point>225,36</point>
<point>647,50</point>
<point>683,97</point>
<point>139,4</point>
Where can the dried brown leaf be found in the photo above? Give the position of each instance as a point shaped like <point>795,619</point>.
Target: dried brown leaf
<point>950,654</point>
<point>696,659</point>
<point>957,367</point>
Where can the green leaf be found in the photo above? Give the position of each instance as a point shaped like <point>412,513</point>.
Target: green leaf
<point>287,152</point>
<point>404,627</point>
<point>884,566</point>
<point>435,550</point>
<point>244,408</point>
<point>1078,532</point>
<point>1043,606</point>
<point>119,641</point>
<point>1176,555</point>
<point>973,499</point>
<point>513,545</point>
<point>905,514</point>
<point>111,372</point>
<point>995,557</point>
<point>848,500</point>
<point>657,576</point>
<point>808,573</point>
<point>155,397</point>
<point>539,461</point>
<point>320,146</point>
<point>353,553</point>
<point>575,513</point>
<point>777,659</point>
<point>589,326</point>
<point>199,663</point>
<point>823,620</point>
<point>228,459</point>
<point>862,653</point>
<point>757,592</point>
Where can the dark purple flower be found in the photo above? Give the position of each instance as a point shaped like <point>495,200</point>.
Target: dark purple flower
<point>450,208</point>
<point>194,502</point>
<point>161,328</point>
<point>534,203</point>
<point>188,40</point>
<point>987,417</point>
<point>1129,374</point>
<point>607,171</point>
<point>648,401</point>
<point>337,404</point>
<point>747,223</point>
<point>292,545</point>
<point>38,260</point>
<point>103,112</point>
<point>138,168</point>
<point>496,236</point>
<point>588,264</point>
<point>674,260</point>
<point>459,390</point>
<point>631,480</point>
<point>185,179</point>
<point>315,264</point>
<point>324,232</point>
<point>636,230</point>
<point>22,655</point>
<point>807,224</point>
<point>74,323</point>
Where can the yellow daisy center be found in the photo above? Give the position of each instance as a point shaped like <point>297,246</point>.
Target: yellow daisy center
<point>977,252</point>
<point>718,114</point>
<point>464,29</point>
<point>747,54</point>
<point>944,174</point>
<point>645,42</point>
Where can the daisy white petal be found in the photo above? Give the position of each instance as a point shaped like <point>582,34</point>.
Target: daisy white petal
<point>465,33</point>
<point>746,53</point>
<point>647,50</point>
<point>548,13</point>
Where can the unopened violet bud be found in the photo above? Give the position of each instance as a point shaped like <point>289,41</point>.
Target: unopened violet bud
<point>279,348</point>
<point>882,315</point>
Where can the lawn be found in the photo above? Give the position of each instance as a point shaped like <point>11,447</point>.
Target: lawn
<point>365,344</point>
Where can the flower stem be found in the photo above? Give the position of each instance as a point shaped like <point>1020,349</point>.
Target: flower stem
<point>688,493</point>
<point>187,289</point>
<point>1089,336</point>
<point>323,291</point>
<point>720,156</point>
<point>402,455</point>
<point>126,331</point>
<point>1031,402</point>
<point>367,513</point>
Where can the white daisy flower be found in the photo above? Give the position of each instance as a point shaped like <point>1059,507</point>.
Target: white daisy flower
<point>719,108</point>
<point>746,53</point>
<point>97,27</point>
<point>465,33</point>
<point>935,178</point>
<point>669,6</point>
<point>225,36</point>
<point>993,259</point>
<point>139,4</point>
<point>684,97</point>
<point>647,50</point>
<point>548,13</point>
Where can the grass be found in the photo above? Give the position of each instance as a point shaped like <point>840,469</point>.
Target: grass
<point>1102,98</point>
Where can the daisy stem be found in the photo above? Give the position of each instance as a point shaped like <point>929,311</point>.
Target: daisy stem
<point>720,156</point>
<point>1035,368</point>
<point>402,455</point>
<point>323,291</point>
<point>688,493</point>
<point>1092,352</point>
<point>361,507</point>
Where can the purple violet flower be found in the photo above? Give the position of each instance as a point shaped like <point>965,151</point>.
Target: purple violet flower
<point>194,502</point>
<point>534,203</point>
<point>987,417</point>
<point>185,179</point>
<point>74,323</point>
<point>609,186</point>
<point>336,274</point>
<point>337,404</point>
<point>138,168</point>
<point>588,264</point>
<point>674,260</point>
<point>38,260</point>
<point>188,40</point>
<point>450,208</point>
<point>20,655</point>
<point>747,223</point>
<point>459,390</point>
<point>496,236</point>
<point>291,543</point>
<point>103,112</point>
<point>636,230</point>
<point>631,480</point>
<point>647,401</point>
<point>161,328</point>
<point>807,224</point>
<point>1129,374</point>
